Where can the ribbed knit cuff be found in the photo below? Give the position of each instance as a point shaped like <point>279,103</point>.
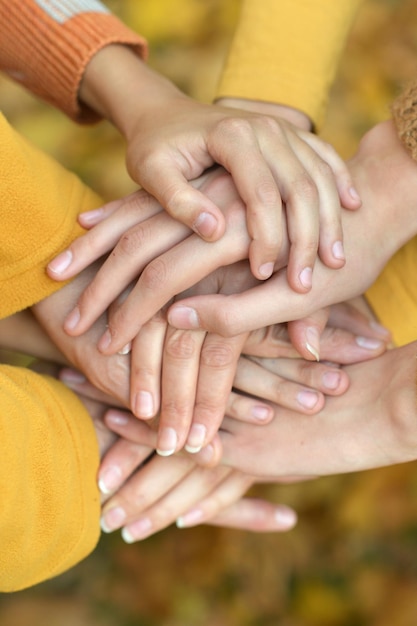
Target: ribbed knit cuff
<point>404,113</point>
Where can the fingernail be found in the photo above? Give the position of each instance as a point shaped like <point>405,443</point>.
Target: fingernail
<point>380,329</point>
<point>90,217</point>
<point>308,399</point>
<point>205,456</point>
<point>126,349</point>
<point>286,518</point>
<point>306,277</point>
<point>112,519</point>
<point>183,317</point>
<point>116,417</point>
<point>354,194</point>
<point>266,270</point>
<point>205,224</point>
<point>337,250</point>
<point>313,342</point>
<point>110,479</point>
<point>105,341</point>
<point>137,530</point>
<point>144,405</point>
<point>167,442</point>
<point>261,413</point>
<point>368,343</point>
<point>196,438</point>
<point>331,380</point>
<point>61,262</point>
<point>192,517</point>
<point>71,377</point>
<point>72,319</point>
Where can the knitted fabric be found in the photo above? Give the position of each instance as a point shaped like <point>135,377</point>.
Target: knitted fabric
<point>404,113</point>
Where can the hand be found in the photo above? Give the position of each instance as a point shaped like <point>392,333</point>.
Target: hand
<point>371,425</point>
<point>153,492</point>
<point>271,161</point>
<point>385,177</point>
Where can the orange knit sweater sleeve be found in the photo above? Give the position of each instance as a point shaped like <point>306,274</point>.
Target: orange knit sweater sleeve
<point>46,46</point>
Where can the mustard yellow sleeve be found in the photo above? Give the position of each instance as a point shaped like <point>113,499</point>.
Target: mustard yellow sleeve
<point>393,296</point>
<point>40,202</point>
<point>287,51</point>
<point>50,505</point>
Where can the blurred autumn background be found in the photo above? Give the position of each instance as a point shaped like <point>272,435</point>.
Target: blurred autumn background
<point>352,560</point>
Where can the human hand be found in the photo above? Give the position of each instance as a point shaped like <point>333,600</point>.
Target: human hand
<point>371,425</point>
<point>172,139</point>
<point>385,176</point>
<point>149,493</point>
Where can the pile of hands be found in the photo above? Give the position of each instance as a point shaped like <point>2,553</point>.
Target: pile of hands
<point>206,336</point>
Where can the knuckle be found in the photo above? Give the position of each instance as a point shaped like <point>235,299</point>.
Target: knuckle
<point>154,275</point>
<point>305,187</point>
<point>217,354</point>
<point>131,241</point>
<point>235,127</point>
<point>181,345</point>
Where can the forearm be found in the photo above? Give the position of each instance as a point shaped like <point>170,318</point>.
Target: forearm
<point>118,85</point>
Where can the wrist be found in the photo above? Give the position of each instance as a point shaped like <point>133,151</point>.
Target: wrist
<point>295,116</point>
<point>119,86</point>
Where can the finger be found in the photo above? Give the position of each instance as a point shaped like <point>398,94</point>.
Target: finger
<point>123,458</point>
<point>183,202</point>
<point>252,514</point>
<point>305,396</point>
<point>132,253</point>
<point>146,367</point>
<point>76,381</point>
<point>356,318</point>
<point>247,409</point>
<point>218,362</point>
<point>242,156</point>
<point>348,194</point>
<point>195,486</point>
<point>305,333</point>
<point>111,221</point>
<point>144,489</point>
<point>329,210</point>
<point>180,372</point>
<point>178,269</point>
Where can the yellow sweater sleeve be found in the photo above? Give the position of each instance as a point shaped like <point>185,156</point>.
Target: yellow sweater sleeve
<point>393,296</point>
<point>50,505</point>
<point>287,51</point>
<point>38,211</point>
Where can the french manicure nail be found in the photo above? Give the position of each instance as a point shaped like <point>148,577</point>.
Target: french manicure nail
<point>368,343</point>
<point>126,349</point>
<point>112,519</point>
<point>306,277</point>
<point>313,342</point>
<point>137,530</point>
<point>109,480</point>
<point>192,517</point>
<point>61,262</point>
<point>167,442</point>
<point>196,438</point>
